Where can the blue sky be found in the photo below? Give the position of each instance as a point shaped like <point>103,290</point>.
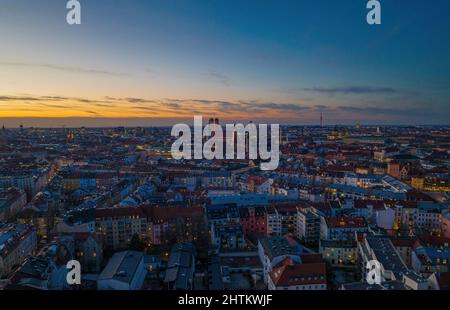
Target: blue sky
<point>288,59</point>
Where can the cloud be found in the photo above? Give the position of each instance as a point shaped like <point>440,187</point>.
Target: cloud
<point>52,99</point>
<point>348,90</point>
<point>321,107</point>
<point>103,105</point>
<point>205,106</point>
<point>220,78</point>
<point>278,106</point>
<point>143,108</point>
<point>253,109</point>
<point>91,112</point>
<point>55,106</point>
<point>139,100</point>
<point>371,110</point>
<point>403,113</point>
<point>8,98</point>
<point>62,68</point>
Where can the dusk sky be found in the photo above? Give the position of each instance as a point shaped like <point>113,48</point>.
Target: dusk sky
<point>136,62</point>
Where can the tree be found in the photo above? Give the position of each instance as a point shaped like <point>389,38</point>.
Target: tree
<point>136,244</point>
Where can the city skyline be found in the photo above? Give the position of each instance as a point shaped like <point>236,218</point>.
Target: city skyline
<point>155,63</point>
<point>224,152</point>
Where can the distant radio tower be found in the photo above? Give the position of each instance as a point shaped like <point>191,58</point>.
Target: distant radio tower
<point>321,119</point>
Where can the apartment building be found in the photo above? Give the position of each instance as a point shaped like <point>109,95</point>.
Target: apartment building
<point>308,225</point>
<point>17,242</point>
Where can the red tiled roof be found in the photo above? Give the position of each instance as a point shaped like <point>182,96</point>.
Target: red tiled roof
<point>81,236</point>
<point>257,179</point>
<point>303,274</point>
<point>91,175</point>
<point>285,207</point>
<point>440,170</point>
<point>151,212</point>
<point>403,242</point>
<point>434,240</point>
<point>119,212</point>
<point>407,204</point>
<point>364,204</point>
<point>166,214</point>
<point>346,222</point>
<point>311,258</point>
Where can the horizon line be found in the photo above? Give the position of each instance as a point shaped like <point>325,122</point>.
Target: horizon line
<point>127,122</point>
